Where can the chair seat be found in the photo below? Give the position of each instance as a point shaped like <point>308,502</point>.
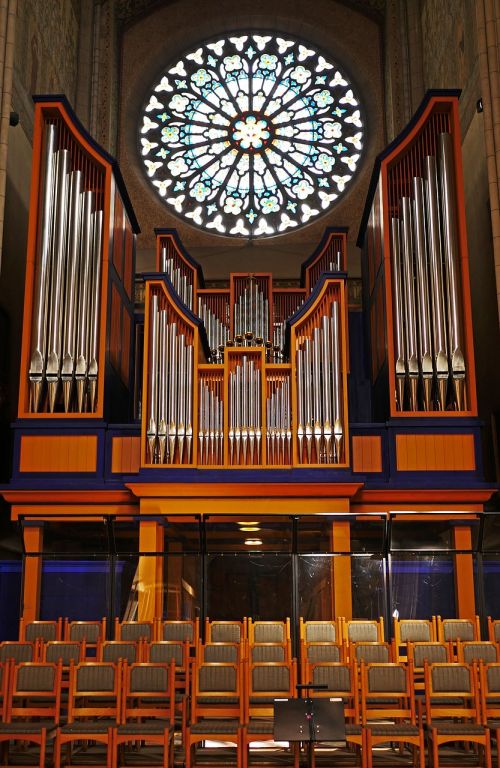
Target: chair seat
<point>202,700</point>
<point>393,729</point>
<point>455,729</point>
<point>215,726</point>
<point>28,726</point>
<point>256,725</point>
<point>149,726</point>
<point>89,726</point>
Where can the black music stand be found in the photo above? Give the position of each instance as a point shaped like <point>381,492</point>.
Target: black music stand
<point>309,720</point>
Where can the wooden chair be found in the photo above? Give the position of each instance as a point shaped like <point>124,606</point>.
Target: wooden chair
<point>268,631</point>
<point>179,630</point>
<point>489,687</point>
<point>92,632</point>
<point>319,653</point>
<point>452,708</point>
<point>31,631</point>
<point>324,632</point>
<point>119,650</point>
<point>412,631</point>
<point>372,653</point>
<point>493,630</point>
<point>18,651</point>
<point>341,680</point>
<point>94,707</point>
<point>164,652</point>
<point>432,653</point>
<point>394,722</point>
<point>216,707</point>
<point>225,631</point>
<point>363,630</point>
<point>208,653</point>
<point>277,652</point>
<point>265,682</point>
<point>65,652</point>
<point>484,651</point>
<point>454,630</point>
<point>33,706</point>
<point>147,713</point>
<point>134,631</point>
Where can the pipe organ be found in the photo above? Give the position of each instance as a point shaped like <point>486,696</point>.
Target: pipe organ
<point>245,396</point>
<point>81,220</point>
<point>416,260</point>
<point>252,398</point>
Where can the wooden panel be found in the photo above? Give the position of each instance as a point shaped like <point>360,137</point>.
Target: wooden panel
<point>116,331</point>
<point>125,347</point>
<point>61,453</point>
<point>445,453</point>
<point>128,277</point>
<point>126,454</point>
<point>118,236</point>
<point>367,454</point>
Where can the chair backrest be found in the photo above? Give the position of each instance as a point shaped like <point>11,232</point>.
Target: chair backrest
<point>64,651</point>
<point>222,652</point>
<point>451,691</point>
<point>493,630</point>
<point>317,652</point>
<point>224,631</point>
<point>380,682</point>
<point>265,682</point>
<point>35,692</point>
<point>90,631</point>
<point>414,631</point>
<point>434,653</point>
<point>372,652</point>
<point>489,675</point>
<point>318,631</point>
<point>94,691</point>
<point>133,631</point>
<point>268,631</point>
<point>217,691</point>
<point>149,691</point>
<point>269,652</point>
<point>182,630</point>
<point>40,630</point>
<point>341,681</point>
<point>17,651</point>
<point>451,630</point>
<point>481,651</point>
<point>364,631</point>
<point>163,651</point>
<point>114,650</point>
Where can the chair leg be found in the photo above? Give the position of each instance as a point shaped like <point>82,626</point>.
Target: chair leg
<point>435,751</point>
<point>43,745</point>
<point>368,748</point>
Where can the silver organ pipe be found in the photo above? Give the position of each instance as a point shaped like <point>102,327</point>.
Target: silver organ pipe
<point>217,331</point>
<point>180,281</point>
<point>66,301</point>
<point>251,313</point>
<point>245,417</point>
<point>170,390</point>
<point>427,318</point>
<point>320,431</point>
<point>278,422</point>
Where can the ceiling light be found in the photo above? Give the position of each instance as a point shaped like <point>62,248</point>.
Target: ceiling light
<point>250,528</point>
<point>253,542</point>
<point>248,522</point>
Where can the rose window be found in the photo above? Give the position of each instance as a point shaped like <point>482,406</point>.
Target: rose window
<point>251,136</point>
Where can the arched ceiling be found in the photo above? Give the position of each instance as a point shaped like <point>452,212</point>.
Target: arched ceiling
<point>128,11</point>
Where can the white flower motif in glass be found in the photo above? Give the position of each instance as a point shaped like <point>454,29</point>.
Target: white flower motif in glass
<point>259,134</point>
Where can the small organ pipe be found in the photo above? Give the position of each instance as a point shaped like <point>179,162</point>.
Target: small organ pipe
<point>422,302</point>
<point>71,288</point>
<point>153,379</point>
<point>409,293</point>
<point>399,337</point>
<point>81,368</point>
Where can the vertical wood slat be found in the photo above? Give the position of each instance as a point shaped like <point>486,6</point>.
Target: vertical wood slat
<point>125,454</point>
<point>58,453</point>
<point>439,452</point>
<point>366,453</point>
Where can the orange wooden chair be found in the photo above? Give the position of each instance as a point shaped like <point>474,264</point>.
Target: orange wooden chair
<point>216,707</point>
<point>120,650</point>
<point>225,631</point>
<point>412,631</point>
<point>493,630</point>
<point>33,705</point>
<point>92,632</point>
<point>388,711</point>
<point>19,651</point>
<point>180,630</point>
<point>489,688</point>
<point>31,631</point>
<point>147,712</point>
<point>94,708</point>
<point>135,631</point>
<point>452,708</point>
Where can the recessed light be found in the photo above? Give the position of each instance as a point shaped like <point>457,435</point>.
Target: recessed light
<point>250,528</point>
<point>253,542</point>
<point>248,522</point>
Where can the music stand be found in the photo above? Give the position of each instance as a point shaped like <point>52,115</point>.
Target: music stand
<point>309,720</point>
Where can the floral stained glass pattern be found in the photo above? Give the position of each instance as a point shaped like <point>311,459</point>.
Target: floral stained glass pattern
<point>251,136</point>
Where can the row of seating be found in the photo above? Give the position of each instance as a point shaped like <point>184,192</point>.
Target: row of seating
<point>116,704</point>
<point>255,632</point>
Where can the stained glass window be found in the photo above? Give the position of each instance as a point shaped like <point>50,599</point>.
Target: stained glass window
<point>251,135</point>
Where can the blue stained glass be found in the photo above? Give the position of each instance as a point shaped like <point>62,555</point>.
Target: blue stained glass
<point>249,129</point>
